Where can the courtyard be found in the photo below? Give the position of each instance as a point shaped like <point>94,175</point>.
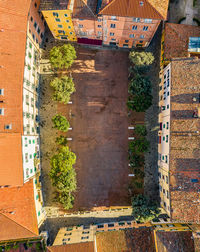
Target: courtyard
<point>99,120</point>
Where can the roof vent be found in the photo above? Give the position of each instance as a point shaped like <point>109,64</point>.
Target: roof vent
<point>194,99</point>
<point>141,3</point>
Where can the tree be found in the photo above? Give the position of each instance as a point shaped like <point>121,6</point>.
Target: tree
<point>62,57</point>
<point>139,103</point>
<point>139,85</point>
<point>135,160</point>
<point>141,58</point>
<point>63,175</point>
<point>143,209</point>
<point>140,130</point>
<point>60,122</point>
<point>62,140</point>
<point>63,87</point>
<point>139,145</point>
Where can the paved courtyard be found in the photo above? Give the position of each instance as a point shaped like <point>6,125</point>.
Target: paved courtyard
<point>99,120</point>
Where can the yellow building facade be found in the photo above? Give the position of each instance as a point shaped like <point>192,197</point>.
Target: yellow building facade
<point>60,24</point>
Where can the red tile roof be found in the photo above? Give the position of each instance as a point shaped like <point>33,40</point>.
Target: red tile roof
<point>173,241</point>
<point>84,8</point>
<point>139,239</point>
<point>18,204</point>
<point>11,172</point>
<point>10,230</point>
<point>13,25</point>
<point>179,33</point>
<point>184,162</point>
<point>154,9</point>
<point>77,247</point>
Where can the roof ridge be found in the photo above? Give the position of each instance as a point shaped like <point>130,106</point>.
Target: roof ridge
<point>88,7</point>
<point>19,224</point>
<point>155,9</point>
<point>107,5</point>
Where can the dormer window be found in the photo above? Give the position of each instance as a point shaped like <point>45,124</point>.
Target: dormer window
<point>1,91</point>
<point>141,3</point>
<point>1,111</point>
<point>8,126</point>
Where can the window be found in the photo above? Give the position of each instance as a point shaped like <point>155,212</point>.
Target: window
<point>71,33</point>
<point>145,28</point>
<point>60,26</point>
<point>165,204</point>
<point>35,25</point>
<point>141,3</point>
<point>57,19</point>
<point>35,5</point>
<point>111,225</point>
<point>27,100</point>
<point>100,226</point>
<point>80,26</point>
<point>65,15</point>
<point>163,125</point>
<point>167,106</point>
<point>112,34</point>
<point>99,20</point>
<point>167,194</point>
<point>166,138</point>
<point>67,234</point>
<point>167,93</point>
<point>164,191</point>
<point>136,20</point>
<point>84,238</point>
<point>163,138</point>
<point>85,232</point>
<point>33,35</point>
<point>61,31</point>
<point>113,17</point>
<point>1,111</point>
<point>163,108</point>
<point>147,20</point>
<point>167,181</point>
<point>141,36</point>
<point>38,30</point>
<point>126,41</point>
<point>69,27</point>
<point>55,14</point>
<point>99,26</point>
<point>163,157</point>
<point>38,213</point>
<point>112,25</point>
<point>99,33</point>
<point>194,180</point>
<point>67,21</point>
<point>168,82</point>
<point>134,27</point>
<point>167,125</point>
<point>26,157</point>
<point>166,159</point>
<point>1,91</point>
<point>37,197</point>
<point>30,156</point>
<point>131,35</point>
<point>41,35</point>
<point>8,126</point>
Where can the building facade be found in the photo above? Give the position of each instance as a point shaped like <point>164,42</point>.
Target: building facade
<point>119,23</point>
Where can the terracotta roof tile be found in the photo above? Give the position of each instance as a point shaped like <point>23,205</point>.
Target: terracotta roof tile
<point>10,230</point>
<point>19,205</point>
<point>177,39</point>
<point>77,247</point>
<point>84,8</point>
<point>174,241</point>
<point>11,172</point>
<point>184,159</point>
<point>140,239</point>
<point>153,9</point>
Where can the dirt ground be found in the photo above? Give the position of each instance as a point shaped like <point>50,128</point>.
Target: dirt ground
<point>99,120</point>
<point>100,128</point>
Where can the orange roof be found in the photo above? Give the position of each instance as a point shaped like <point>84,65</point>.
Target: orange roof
<point>76,247</point>
<point>154,9</point>
<point>18,204</point>
<point>84,8</point>
<point>11,172</point>
<point>10,230</point>
<point>13,24</point>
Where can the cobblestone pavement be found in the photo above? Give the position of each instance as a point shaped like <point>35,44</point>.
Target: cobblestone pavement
<point>151,120</point>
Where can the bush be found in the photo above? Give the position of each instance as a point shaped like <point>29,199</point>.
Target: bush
<point>140,103</point>
<point>62,57</point>
<point>141,58</point>
<point>63,175</point>
<point>139,145</point>
<point>62,140</point>
<point>140,130</point>
<point>63,87</point>
<point>60,122</point>
<point>139,85</point>
<point>135,160</point>
<point>143,209</point>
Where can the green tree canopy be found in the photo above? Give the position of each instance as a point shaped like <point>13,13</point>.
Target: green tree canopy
<point>60,122</point>
<point>63,87</point>
<point>63,175</point>
<point>143,209</point>
<point>139,145</point>
<point>140,130</point>
<point>141,58</point>
<point>139,85</point>
<point>62,140</point>
<point>140,103</point>
<point>62,57</point>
